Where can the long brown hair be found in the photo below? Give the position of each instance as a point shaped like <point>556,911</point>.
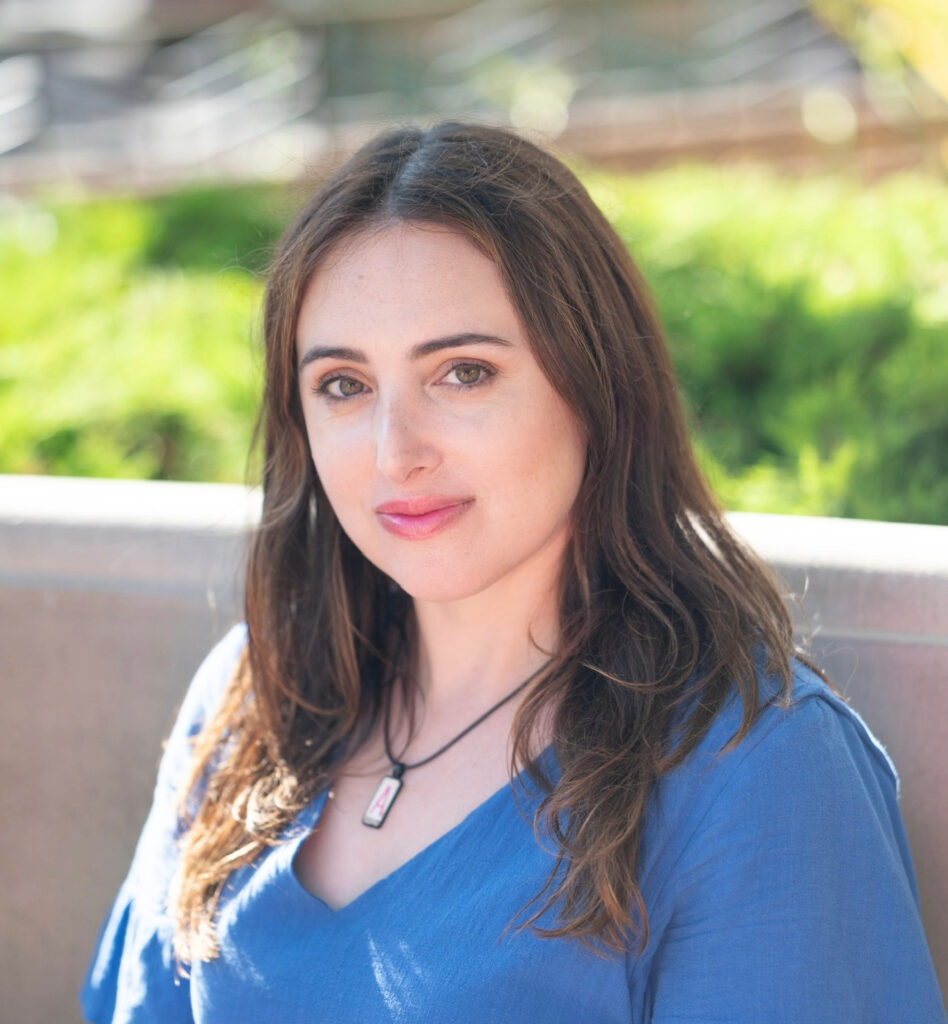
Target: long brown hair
<point>662,611</point>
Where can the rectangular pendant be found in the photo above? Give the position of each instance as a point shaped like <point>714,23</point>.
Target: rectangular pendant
<point>381,802</point>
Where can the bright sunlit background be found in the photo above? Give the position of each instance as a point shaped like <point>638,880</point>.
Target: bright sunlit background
<point>777,167</point>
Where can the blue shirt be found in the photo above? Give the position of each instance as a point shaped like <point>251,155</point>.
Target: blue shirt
<point>777,878</point>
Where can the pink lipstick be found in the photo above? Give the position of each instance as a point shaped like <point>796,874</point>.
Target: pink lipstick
<point>419,518</point>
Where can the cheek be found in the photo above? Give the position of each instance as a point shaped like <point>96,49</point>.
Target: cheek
<point>339,465</point>
<point>559,435</point>
<point>548,461</point>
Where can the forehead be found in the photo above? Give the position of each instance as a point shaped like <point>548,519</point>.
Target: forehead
<point>404,281</point>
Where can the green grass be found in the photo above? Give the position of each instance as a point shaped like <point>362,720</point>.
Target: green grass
<point>808,320</point>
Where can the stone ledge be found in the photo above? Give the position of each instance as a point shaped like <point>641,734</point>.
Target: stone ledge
<point>112,591</point>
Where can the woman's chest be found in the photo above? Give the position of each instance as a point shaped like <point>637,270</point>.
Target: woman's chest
<point>434,940</point>
<point>375,822</point>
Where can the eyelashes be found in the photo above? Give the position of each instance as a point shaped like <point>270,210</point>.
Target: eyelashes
<point>343,387</point>
<point>324,386</point>
<point>483,375</point>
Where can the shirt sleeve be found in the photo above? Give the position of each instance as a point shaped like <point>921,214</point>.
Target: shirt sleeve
<point>133,978</point>
<point>795,899</point>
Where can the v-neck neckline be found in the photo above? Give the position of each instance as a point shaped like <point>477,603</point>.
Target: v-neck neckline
<point>314,812</point>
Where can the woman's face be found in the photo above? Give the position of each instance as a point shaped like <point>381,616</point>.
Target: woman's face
<point>448,457</point>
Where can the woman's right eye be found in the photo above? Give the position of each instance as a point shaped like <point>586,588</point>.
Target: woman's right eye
<point>339,387</point>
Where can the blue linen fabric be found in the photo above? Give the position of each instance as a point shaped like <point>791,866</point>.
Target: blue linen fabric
<point>777,876</point>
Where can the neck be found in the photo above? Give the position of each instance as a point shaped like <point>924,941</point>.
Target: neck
<point>474,651</point>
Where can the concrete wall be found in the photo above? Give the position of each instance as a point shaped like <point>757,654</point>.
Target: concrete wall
<point>111,592</point>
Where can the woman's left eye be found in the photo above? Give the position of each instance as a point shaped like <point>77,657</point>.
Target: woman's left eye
<point>467,375</point>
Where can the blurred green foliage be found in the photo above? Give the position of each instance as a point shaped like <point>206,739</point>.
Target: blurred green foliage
<point>809,324</point>
<point>129,335</point>
<point>808,319</point>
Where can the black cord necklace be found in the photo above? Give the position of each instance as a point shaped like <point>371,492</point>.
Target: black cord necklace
<point>391,784</point>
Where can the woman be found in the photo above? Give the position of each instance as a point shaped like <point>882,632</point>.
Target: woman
<point>514,730</point>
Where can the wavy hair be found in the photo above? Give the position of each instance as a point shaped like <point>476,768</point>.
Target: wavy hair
<point>662,611</point>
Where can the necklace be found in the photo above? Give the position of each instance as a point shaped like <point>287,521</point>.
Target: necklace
<point>391,784</point>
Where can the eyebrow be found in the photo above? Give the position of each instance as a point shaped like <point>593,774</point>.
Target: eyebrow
<point>422,349</point>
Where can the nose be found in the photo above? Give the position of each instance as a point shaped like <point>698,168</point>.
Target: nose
<point>406,437</point>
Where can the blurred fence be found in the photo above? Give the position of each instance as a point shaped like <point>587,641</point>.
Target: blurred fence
<point>111,592</point>
<point>140,92</point>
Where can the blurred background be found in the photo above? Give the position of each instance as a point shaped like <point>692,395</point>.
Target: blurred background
<point>777,167</point>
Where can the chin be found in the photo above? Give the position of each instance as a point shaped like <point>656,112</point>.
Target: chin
<point>437,591</point>
<point>434,584</point>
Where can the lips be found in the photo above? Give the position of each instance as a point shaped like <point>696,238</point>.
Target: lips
<point>421,517</point>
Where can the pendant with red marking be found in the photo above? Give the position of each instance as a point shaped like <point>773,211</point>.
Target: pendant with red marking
<point>383,798</point>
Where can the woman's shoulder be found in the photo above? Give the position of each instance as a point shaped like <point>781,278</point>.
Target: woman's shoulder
<point>212,676</point>
<point>777,871</point>
<point>807,755</point>
<point>805,719</point>
<point>201,700</point>
<point>133,961</point>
